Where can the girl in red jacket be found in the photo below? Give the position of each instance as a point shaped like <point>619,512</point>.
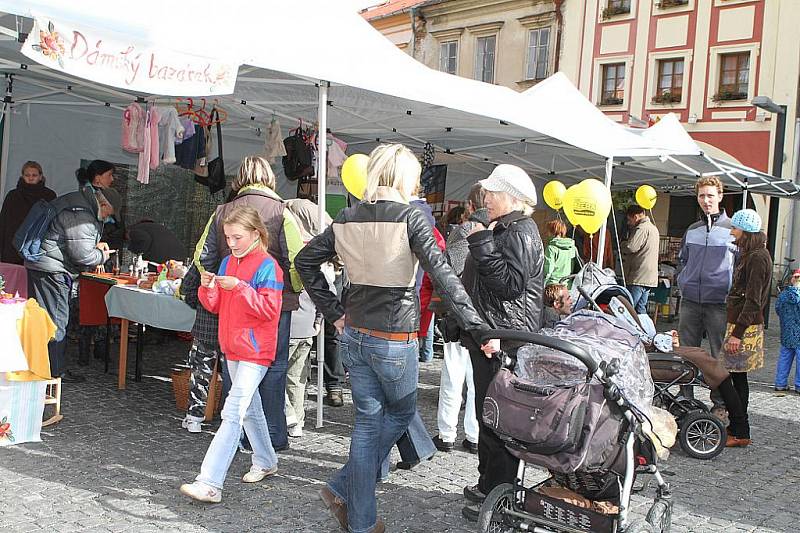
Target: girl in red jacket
<point>246,294</point>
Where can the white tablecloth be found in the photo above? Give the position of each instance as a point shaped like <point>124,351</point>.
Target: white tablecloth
<point>146,307</point>
<point>21,402</point>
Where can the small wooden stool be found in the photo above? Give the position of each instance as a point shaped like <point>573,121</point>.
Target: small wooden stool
<point>52,396</point>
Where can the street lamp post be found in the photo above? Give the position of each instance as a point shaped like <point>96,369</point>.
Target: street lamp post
<point>766,103</point>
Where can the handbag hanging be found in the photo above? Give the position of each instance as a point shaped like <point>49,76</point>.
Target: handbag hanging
<point>215,181</point>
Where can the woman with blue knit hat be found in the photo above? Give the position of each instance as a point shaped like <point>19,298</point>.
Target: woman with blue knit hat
<point>744,335</point>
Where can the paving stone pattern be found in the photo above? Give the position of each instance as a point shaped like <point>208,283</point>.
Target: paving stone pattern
<point>117,459</point>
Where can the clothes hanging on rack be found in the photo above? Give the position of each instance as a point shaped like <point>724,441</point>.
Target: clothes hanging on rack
<point>188,129</point>
<point>273,143</point>
<point>148,158</point>
<point>191,149</point>
<point>133,122</point>
<point>170,132</point>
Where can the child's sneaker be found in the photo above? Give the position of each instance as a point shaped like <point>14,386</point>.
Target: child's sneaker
<point>296,431</point>
<point>202,492</point>
<point>192,423</point>
<point>257,473</point>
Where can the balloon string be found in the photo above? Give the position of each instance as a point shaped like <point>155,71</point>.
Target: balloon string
<point>619,249</point>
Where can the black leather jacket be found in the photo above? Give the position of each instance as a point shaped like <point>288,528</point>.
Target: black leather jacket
<point>380,245</point>
<point>503,273</point>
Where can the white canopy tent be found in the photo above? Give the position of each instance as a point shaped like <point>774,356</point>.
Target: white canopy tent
<point>345,76</point>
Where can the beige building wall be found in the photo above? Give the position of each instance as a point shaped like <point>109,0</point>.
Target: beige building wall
<point>464,21</point>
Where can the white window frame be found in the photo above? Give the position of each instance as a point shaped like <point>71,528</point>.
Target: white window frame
<point>538,31</point>
<point>658,10</point>
<point>652,79</point>
<point>476,70</point>
<point>597,85</point>
<point>715,52</point>
<point>442,45</point>
<point>602,4</point>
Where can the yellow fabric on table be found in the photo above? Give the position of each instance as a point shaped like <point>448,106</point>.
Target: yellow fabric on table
<point>35,329</point>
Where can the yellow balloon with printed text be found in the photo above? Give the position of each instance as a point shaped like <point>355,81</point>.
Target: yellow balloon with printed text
<point>354,174</point>
<point>646,196</point>
<point>553,194</point>
<point>587,205</point>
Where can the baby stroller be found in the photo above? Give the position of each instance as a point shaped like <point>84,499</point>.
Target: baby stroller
<point>701,434</point>
<point>584,431</point>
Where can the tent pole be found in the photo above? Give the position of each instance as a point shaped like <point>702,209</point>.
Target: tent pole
<point>6,141</point>
<point>601,243</point>
<point>322,167</point>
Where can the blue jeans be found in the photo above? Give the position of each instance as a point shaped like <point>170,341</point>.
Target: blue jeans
<point>273,387</point>
<point>640,295</point>
<point>383,378</point>
<point>785,359</point>
<point>414,445</point>
<point>426,346</point>
<point>242,408</point>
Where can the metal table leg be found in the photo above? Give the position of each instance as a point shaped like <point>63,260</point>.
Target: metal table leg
<point>108,344</point>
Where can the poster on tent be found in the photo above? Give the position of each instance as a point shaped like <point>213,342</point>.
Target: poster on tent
<point>103,57</point>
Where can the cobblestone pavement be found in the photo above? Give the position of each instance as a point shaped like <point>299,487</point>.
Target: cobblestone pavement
<point>117,459</point>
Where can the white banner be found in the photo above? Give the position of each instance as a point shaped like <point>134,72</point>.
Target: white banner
<point>90,54</point>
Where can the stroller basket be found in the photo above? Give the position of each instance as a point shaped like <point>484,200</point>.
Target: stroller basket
<point>563,513</point>
<point>669,368</point>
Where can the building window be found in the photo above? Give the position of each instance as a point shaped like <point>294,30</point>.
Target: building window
<point>613,89</point>
<point>448,57</point>
<point>538,53</point>
<point>484,58</point>
<point>670,81</point>
<point>734,76</point>
<point>616,7</point>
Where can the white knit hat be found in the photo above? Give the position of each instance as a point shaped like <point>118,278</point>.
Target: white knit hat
<point>512,180</point>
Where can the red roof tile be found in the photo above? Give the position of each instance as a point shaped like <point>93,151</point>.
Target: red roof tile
<point>389,8</point>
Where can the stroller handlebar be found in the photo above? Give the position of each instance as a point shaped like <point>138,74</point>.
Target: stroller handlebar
<point>541,340</point>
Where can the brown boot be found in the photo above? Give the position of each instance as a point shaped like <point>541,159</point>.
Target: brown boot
<point>336,506</point>
<point>379,527</point>
<point>334,398</point>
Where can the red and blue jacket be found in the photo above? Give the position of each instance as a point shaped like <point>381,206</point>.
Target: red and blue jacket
<point>248,313</point>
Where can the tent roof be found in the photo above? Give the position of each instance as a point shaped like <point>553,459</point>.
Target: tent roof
<point>378,93</point>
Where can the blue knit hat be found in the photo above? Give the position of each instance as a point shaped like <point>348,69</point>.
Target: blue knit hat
<point>747,220</point>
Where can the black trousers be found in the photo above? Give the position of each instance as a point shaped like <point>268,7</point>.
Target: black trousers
<point>333,375</point>
<point>52,290</point>
<point>735,391</point>
<point>495,464</point>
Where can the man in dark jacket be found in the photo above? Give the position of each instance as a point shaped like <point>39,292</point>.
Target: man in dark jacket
<point>71,246</point>
<point>155,242</point>
<point>503,275</point>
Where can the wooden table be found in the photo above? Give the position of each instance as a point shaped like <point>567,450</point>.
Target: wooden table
<point>144,307</point>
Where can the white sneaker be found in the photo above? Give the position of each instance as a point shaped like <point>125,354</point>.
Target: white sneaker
<point>202,492</point>
<point>257,473</point>
<point>192,423</point>
<point>296,431</point>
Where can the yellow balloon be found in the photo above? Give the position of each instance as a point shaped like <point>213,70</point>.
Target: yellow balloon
<point>553,194</point>
<point>354,174</point>
<point>646,196</point>
<point>587,205</point>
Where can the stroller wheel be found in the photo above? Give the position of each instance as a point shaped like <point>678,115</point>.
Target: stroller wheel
<point>702,435</point>
<point>493,517</point>
<point>660,516</point>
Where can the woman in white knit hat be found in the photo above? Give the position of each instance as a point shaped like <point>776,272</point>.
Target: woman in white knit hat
<point>503,275</point>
